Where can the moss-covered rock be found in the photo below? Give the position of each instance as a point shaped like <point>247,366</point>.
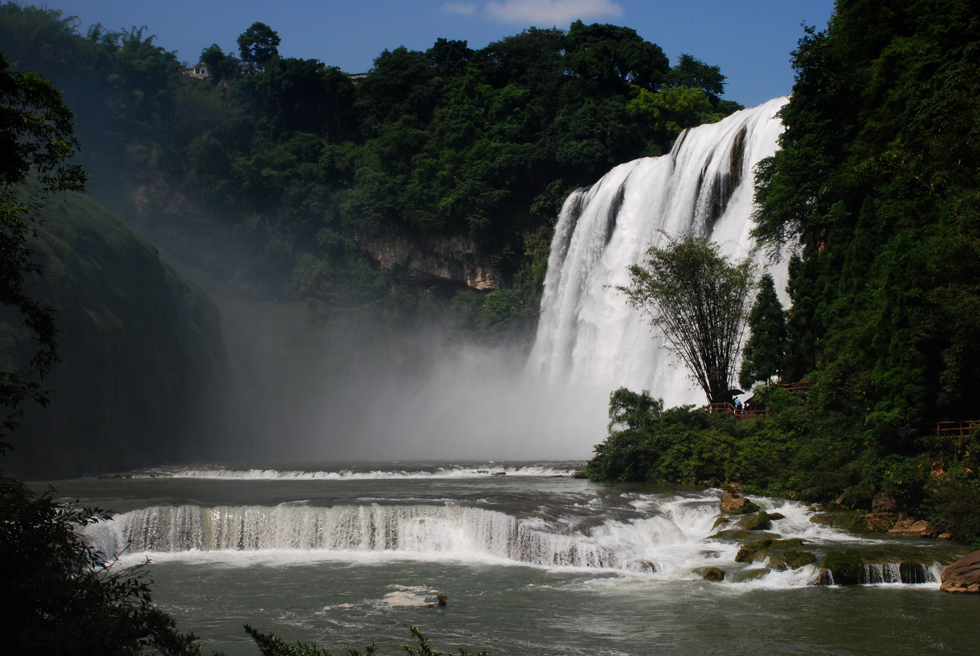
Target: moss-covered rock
<point>734,504</point>
<point>795,559</point>
<point>732,534</point>
<point>753,551</point>
<point>757,522</point>
<point>782,554</point>
<point>847,568</point>
<point>721,521</point>
<point>822,577</point>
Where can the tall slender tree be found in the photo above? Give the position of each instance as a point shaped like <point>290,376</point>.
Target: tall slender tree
<point>698,298</point>
<point>765,352</point>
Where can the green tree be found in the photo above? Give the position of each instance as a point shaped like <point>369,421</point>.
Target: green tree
<point>220,66</point>
<point>695,74</point>
<point>698,298</point>
<point>62,597</point>
<point>764,355</point>
<point>258,44</point>
<point>37,143</point>
<point>614,55</point>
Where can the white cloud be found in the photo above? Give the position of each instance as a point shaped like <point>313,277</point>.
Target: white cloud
<point>551,12</point>
<point>461,8</point>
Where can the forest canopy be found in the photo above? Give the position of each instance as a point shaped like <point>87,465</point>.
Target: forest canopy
<point>298,158</point>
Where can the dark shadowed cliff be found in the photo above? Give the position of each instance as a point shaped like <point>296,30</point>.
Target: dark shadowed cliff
<point>143,367</point>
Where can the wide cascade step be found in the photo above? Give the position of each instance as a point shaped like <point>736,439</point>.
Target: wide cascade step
<point>420,529</point>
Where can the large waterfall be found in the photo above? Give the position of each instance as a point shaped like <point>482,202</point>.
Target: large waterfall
<point>587,334</point>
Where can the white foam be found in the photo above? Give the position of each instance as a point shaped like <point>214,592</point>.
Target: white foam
<point>670,541</point>
<point>222,473</point>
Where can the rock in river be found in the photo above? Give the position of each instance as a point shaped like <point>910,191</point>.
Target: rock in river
<point>963,575</point>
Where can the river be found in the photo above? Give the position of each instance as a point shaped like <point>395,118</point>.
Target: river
<point>531,559</point>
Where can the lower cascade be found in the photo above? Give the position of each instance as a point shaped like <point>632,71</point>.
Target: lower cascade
<point>703,187</point>
<point>417,529</point>
<point>674,542</point>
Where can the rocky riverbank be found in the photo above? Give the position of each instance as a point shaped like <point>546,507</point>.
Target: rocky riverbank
<point>913,552</point>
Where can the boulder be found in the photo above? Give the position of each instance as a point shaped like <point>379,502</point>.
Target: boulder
<point>963,575</point>
<point>884,504</point>
<point>795,559</point>
<point>741,534</point>
<point>910,527</point>
<point>721,521</point>
<point>732,503</point>
<point>757,522</point>
<point>750,553</point>
<point>879,522</point>
<point>712,574</point>
<point>846,568</point>
<point>823,577</point>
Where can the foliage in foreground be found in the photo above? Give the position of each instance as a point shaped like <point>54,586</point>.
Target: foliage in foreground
<point>798,451</point>
<point>270,645</point>
<point>60,596</point>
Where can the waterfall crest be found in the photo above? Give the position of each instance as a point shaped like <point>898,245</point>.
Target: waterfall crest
<point>587,335</point>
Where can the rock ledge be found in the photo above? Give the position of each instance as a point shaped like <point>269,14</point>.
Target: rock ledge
<point>963,575</point>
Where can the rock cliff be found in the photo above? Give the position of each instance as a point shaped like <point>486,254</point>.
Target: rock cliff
<point>431,258</point>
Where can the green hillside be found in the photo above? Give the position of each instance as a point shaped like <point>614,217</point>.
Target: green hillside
<point>143,364</point>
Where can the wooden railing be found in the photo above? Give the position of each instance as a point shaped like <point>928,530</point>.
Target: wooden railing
<point>965,428</point>
<point>738,413</point>
<point>797,388</point>
<point>957,436</point>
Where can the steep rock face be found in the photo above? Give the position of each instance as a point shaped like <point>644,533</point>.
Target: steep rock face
<point>431,258</point>
<point>143,366</point>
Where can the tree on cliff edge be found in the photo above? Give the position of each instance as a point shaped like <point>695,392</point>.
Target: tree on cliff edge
<point>698,298</point>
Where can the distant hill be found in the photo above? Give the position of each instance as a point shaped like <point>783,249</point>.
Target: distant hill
<point>143,362</point>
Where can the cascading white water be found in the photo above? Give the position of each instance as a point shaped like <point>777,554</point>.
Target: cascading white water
<point>413,529</point>
<point>587,335</point>
<point>672,542</point>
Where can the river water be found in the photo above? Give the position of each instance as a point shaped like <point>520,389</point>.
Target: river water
<point>532,560</point>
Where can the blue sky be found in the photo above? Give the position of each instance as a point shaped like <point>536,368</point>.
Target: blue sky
<point>750,39</point>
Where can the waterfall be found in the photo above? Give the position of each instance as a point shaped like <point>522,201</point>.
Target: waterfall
<point>587,335</point>
<point>426,530</point>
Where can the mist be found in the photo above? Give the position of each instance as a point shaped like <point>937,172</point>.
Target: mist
<point>351,392</point>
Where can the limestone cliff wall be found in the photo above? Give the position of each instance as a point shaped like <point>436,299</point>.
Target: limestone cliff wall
<point>431,258</point>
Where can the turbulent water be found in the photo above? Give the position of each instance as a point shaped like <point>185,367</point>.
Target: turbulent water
<point>704,187</point>
<point>533,561</point>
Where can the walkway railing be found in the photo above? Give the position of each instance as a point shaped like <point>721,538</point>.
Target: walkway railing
<point>738,413</point>
<point>797,388</point>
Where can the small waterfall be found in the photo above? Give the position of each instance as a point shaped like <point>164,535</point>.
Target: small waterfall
<point>882,573</point>
<point>415,529</point>
<point>705,187</point>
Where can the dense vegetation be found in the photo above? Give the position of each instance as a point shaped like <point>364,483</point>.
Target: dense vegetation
<point>877,189</point>
<point>296,160</point>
